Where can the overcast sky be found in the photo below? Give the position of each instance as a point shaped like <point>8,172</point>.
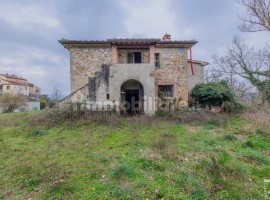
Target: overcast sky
<point>29,30</point>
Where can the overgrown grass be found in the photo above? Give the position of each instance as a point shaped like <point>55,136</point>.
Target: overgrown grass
<point>186,155</point>
<point>260,117</point>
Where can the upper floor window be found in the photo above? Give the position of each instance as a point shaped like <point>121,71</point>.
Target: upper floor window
<point>165,90</point>
<point>8,87</point>
<point>157,60</point>
<point>134,57</point>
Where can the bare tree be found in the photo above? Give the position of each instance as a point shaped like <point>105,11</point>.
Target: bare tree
<point>212,75</point>
<point>16,98</point>
<point>242,88</point>
<point>243,67</point>
<point>258,15</point>
<point>56,95</point>
<point>242,61</point>
<point>10,102</point>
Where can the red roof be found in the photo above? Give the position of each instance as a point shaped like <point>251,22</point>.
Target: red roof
<point>17,82</point>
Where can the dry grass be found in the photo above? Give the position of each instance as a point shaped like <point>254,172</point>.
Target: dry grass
<point>260,116</point>
<point>204,117</point>
<point>195,117</point>
<point>56,117</point>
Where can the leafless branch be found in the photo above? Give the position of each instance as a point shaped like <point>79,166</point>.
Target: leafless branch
<point>243,67</point>
<point>258,15</point>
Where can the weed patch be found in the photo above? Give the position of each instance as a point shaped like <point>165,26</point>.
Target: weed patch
<point>122,171</point>
<point>262,132</point>
<point>229,137</point>
<point>165,145</point>
<point>210,126</point>
<point>39,132</point>
<point>150,165</point>
<point>29,182</point>
<point>254,156</point>
<point>224,158</point>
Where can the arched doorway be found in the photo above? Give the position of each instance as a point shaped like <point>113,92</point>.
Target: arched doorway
<point>132,97</point>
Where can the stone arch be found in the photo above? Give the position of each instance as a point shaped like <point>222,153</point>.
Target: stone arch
<point>132,93</point>
<point>120,73</point>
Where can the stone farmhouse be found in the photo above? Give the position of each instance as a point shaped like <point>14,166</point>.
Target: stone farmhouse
<point>132,75</point>
<point>15,85</point>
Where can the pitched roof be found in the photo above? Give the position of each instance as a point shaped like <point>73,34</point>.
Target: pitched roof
<point>17,82</point>
<point>13,76</point>
<point>11,79</point>
<point>128,41</point>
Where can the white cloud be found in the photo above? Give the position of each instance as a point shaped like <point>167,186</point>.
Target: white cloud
<point>27,54</point>
<point>30,17</point>
<point>151,18</point>
<point>258,40</point>
<point>39,66</point>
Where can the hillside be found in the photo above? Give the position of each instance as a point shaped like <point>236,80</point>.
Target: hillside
<point>217,157</point>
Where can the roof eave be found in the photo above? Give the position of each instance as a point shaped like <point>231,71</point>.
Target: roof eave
<point>174,44</point>
<point>180,44</point>
<point>72,43</point>
<point>201,63</point>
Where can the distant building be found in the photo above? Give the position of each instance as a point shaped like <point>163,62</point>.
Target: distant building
<point>13,84</point>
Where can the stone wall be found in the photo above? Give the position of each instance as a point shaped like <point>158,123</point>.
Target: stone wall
<point>173,71</point>
<point>85,62</point>
<point>122,55</point>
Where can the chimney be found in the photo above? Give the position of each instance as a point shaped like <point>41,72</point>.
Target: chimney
<point>166,37</point>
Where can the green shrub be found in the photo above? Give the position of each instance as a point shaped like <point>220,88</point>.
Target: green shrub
<point>216,94</point>
<point>233,107</point>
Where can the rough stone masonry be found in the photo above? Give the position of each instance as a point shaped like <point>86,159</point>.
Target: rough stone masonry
<point>133,76</point>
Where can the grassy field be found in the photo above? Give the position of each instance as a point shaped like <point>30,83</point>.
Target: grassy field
<point>225,157</point>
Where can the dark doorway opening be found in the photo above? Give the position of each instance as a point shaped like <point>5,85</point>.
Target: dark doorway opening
<point>132,97</point>
<point>132,103</point>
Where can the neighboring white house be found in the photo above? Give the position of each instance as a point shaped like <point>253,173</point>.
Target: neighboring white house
<point>15,85</point>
